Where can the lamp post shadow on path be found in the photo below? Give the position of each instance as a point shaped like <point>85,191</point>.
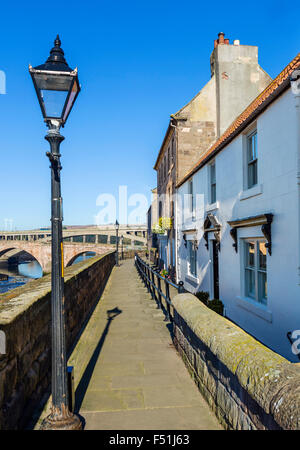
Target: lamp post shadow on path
<point>87,375</point>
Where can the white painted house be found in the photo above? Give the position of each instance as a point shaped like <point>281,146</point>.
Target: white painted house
<point>236,79</point>
<point>238,237</point>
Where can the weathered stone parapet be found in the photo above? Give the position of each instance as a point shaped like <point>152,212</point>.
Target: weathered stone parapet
<point>246,384</point>
<point>25,318</point>
<point>41,250</point>
<point>129,254</point>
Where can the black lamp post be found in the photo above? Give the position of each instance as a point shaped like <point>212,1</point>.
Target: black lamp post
<point>57,87</point>
<point>117,243</point>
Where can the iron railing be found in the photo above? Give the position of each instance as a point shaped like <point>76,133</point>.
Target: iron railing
<point>153,282</point>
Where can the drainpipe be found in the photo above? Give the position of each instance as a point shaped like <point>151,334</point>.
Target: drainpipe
<point>298,177</point>
<point>295,85</point>
<point>175,201</point>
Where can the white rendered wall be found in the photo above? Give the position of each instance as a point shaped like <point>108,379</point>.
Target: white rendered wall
<point>276,194</point>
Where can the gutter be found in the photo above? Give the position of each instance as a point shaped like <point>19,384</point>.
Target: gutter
<point>298,177</point>
<point>175,211</point>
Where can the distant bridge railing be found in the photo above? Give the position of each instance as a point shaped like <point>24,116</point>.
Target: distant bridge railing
<point>153,281</point>
<point>129,237</point>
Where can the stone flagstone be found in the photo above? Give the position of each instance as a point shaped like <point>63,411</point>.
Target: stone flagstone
<point>127,373</point>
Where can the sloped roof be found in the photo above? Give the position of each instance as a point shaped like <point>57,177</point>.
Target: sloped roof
<point>162,145</point>
<point>175,116</point>
<point>271,92</point>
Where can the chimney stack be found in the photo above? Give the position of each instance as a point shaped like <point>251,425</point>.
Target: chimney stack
<point>221,40</point>
<point>238,79</point>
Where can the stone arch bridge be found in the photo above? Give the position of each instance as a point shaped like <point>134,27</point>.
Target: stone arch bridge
<point>76,241</point>
<point>42,251</point>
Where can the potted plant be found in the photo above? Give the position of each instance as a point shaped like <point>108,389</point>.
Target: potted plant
<point>164,273</point>
<point>216,305</point>
<point>203,296</point>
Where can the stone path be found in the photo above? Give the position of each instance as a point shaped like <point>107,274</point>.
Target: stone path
<point>128,375</point>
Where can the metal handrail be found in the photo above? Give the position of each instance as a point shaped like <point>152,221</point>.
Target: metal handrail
<point>148,275</point>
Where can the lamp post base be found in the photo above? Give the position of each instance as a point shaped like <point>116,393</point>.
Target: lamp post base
<point>61,420</point>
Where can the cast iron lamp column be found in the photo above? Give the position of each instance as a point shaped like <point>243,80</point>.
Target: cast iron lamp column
<point>57,87</point>
<point>117,243</point>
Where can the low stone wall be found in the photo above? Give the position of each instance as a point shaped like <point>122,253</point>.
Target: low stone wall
<point>247,385</point>
<point>129,254</point>
<point>25,318</point>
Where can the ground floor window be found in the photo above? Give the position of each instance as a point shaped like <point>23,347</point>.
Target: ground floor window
<point>255,270</point>
<point>192,258</point>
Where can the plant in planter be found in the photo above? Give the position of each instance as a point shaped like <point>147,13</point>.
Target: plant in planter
<point>216,305</point>
<point>203,296</point>
<point>164,273</point>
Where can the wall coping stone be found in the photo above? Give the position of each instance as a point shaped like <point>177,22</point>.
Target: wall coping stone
<point>15,302</point>
<point>270,379</point>
<point>25,318</point>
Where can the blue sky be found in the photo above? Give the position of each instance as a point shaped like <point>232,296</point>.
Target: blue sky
<point>138,63</point>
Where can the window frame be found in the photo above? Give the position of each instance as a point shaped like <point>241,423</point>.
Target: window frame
<point>173,149</point>
<point>253,162</point>
<point>212,183</point>
<point>160,208</point>
<point>191,248</point>
<point>191,199</point>
<point>255,269</point>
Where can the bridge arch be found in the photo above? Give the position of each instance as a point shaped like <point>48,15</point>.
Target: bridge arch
<point>71,261</point>
<point>18,249</point>
<point>6,250</point>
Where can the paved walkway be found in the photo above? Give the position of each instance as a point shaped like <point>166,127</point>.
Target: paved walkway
<point>128,376</point>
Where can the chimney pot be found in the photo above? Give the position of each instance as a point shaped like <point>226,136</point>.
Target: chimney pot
<point>236,42</point>
<point>221,38</point>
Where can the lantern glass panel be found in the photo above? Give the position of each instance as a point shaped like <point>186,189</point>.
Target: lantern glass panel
<point>53,102</point>
<point>73,94</point>
<point>53,91</point>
